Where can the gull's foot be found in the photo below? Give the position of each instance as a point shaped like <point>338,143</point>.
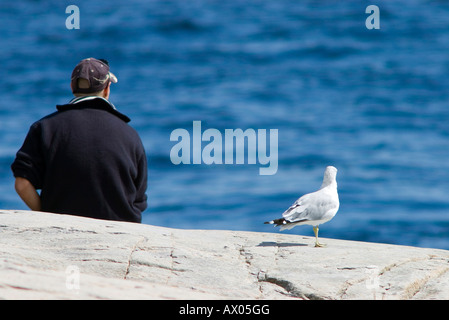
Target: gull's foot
<point>320,245</point>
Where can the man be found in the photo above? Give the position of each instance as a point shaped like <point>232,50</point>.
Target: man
<point>85,158</point>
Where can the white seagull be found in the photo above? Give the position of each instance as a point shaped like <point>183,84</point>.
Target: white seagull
<point>313,208</point>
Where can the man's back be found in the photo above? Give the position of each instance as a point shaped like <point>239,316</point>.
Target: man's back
<point>87,160</point>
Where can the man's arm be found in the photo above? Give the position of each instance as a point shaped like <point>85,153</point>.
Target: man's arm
<point>28,167</point>
<point>29,195</point>
<point>141,182</point>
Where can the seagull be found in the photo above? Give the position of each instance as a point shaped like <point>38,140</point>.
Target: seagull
<point>313,208</point>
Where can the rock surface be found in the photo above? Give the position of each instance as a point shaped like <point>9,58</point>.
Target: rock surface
<point>51,256</point>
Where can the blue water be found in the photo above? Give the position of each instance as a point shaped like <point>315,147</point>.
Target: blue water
<point>373,103</point>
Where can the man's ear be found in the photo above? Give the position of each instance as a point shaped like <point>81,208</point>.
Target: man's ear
<point>106,91</point>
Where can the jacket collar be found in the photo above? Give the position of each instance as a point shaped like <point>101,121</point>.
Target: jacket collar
<point>93,102</point>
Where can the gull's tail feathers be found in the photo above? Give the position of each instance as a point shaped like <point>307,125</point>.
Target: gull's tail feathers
<point>285,224</point>
<point>277,222</point>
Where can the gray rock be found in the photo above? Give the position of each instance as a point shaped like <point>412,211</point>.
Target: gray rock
<point>52,256</point>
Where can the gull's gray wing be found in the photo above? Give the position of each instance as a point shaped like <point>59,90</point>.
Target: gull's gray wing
<point>311,207</point>
<point>297,211</point>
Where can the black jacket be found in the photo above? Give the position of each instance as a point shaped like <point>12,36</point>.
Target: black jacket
<point>87,161</point>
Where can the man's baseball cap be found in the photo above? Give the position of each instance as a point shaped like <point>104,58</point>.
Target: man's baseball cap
<point>96,72</point>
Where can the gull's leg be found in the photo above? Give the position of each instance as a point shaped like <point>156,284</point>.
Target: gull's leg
<point>317,244</point>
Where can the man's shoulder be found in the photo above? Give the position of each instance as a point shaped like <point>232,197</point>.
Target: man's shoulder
<point>37,124</point>
<point>48,117</point>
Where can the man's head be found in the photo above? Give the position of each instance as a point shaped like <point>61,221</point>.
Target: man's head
<point>91,77</point>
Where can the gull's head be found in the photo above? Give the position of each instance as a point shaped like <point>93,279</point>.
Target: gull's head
<point>330,176</point>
